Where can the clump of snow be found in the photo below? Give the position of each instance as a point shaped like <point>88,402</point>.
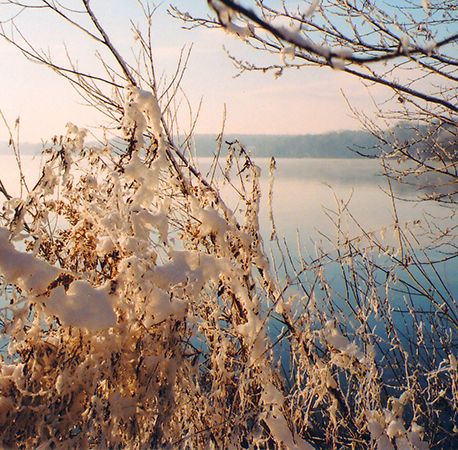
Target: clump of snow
<point>405,43</point>
<point>296,38</point>
<point>312,8</point>
<point>141,110</point>
<point>30,274</point>
<point>337,340</point>
<point>388,427</point>
<point>286,53</point>
<point>337,63</point>
<point>273,399</point>
<point>82,306</point>
<point>160,305</point>
<point>147,178</point>
<point>226,16</point>
<point>105,245</point>
<point>211,221</point>
<point>343,52</point>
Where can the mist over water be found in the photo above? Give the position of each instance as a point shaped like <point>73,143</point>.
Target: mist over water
<point>306,192</point>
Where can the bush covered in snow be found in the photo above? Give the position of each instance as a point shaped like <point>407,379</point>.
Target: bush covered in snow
<point>139,316</point>
<point>140,311</point>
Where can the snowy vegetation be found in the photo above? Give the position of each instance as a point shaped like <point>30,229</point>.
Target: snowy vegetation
<point>141,311</point>
<point>140,314</point>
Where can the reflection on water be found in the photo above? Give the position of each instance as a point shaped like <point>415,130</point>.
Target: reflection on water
<point>306,191</point>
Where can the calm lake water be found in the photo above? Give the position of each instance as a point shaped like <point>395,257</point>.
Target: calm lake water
<point>305,192</point>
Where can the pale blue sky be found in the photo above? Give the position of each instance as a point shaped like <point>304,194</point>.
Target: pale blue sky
<point>299,102</point>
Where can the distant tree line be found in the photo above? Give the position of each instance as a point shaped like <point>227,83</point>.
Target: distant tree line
<point>338,144</point>
<point>422,141</point>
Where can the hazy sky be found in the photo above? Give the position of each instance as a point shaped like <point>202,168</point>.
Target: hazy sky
<point>299,102</point>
